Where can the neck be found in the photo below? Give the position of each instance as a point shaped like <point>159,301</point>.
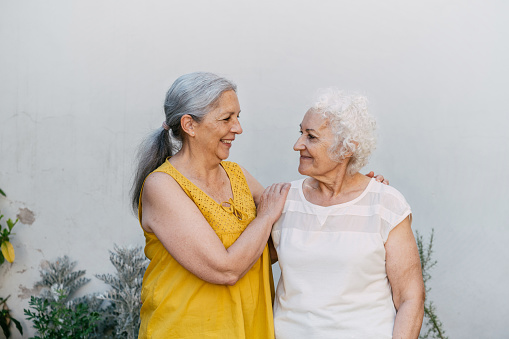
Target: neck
<point>336,183</point>
<point>192,163</point>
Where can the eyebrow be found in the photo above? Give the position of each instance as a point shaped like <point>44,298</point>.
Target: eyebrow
<point>307,129</point>
<point>231,112</point>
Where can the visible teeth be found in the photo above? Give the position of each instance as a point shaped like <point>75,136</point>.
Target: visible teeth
<point>226,141</point>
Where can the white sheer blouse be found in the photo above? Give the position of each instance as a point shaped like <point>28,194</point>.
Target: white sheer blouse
<point>333,280</point>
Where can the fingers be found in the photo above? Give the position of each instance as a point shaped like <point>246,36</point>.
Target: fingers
<point>380,178</point>
<point>276,192</point>
<point>278,188</point>
<point>273,200</point>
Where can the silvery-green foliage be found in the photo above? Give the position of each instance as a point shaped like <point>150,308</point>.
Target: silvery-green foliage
<point>433,327</point>
<point>55,313</point>
<point>106,325</point>
<point>125,294</point>
<point>59,277</point>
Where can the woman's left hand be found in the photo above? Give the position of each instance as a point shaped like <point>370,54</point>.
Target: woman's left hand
<point>378,177</point>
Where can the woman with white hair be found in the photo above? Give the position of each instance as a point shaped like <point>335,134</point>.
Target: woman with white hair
<point>349,262</point>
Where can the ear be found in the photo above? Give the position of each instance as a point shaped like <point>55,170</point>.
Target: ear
<point>350,154</point>
<point>187,123</point>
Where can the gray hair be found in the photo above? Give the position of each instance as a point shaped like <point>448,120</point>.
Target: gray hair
<point>351,124</point>
<point>195,94</point>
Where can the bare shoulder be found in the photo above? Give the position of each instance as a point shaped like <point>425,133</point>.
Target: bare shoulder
<point>159,183</point>
<point>161,194</point>
<point>254,186</point>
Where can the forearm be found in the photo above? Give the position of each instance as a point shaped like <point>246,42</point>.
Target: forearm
<point>245,252</point>
<point>408,320</point>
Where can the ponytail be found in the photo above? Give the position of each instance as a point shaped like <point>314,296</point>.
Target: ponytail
<point>152,153</point>
<point>194,94</point>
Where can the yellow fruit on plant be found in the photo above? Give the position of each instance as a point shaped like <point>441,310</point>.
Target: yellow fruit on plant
<point>8,251</point>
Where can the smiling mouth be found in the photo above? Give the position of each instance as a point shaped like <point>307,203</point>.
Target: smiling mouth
<point>226,141</point>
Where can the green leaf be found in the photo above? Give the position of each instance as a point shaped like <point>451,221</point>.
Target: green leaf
<point>11,223</point>
<point>5,327</point>
<point>2,193</point>
<point>18,325</point>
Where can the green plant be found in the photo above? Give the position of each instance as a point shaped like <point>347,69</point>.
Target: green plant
<point>7,250</point>
<point>113,314</point>
<point>61,274</point>
<point>56,314</point>
<point>7,253</point>
<point>6,318</point>
<point>57,319</point>
<point>433,327</point>
<point>125,295</point>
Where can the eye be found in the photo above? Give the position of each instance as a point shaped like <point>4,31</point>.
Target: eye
<point>230,117</point>
<point>310,136</point>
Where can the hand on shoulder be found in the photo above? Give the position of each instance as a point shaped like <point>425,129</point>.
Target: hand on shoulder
<point>378,177</point>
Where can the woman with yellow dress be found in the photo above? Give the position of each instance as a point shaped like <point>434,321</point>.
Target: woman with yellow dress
<point>206,221</point>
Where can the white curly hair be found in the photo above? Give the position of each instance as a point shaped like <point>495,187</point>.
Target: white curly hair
<point>353,127</point>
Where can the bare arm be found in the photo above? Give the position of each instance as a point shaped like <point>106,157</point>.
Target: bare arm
<point>405,276</point>
<point>257,190</point>
<point>254,186</point>
<point>179,225</point>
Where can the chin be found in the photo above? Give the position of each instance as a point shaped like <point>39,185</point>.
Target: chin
<point>223,156</point>
<point>302,170</point>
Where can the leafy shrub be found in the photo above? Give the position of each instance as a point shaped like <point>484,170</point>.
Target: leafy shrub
<point>433,327</point>
<point>125,295</point>
<point>57,319</point>
<point>7,253</point>
<point>55,313</point>
<point>112,314</point>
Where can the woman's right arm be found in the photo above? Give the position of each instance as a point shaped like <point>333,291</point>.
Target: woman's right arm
<point>257,190</point>
<point>179,225</point>
<point>254,186</point>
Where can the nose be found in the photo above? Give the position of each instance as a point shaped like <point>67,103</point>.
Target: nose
<point>237,128</point>
<point>299,145</point>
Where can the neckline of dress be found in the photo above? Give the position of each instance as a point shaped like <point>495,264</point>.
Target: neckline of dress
<point>342,205</point>
<point>208,196</point>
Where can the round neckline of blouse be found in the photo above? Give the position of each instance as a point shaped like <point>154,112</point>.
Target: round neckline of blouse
<point>342,205</point>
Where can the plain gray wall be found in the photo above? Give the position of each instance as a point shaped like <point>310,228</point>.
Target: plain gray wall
<point>83,82</point>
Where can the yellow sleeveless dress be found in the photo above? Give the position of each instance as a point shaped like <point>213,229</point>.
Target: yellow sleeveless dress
<point>177,304</point>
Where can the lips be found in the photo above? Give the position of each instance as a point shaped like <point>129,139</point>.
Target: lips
<point>227,142</point>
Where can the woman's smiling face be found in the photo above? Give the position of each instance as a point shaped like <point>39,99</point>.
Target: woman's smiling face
<point>314,144</point>
<point>218,129</point>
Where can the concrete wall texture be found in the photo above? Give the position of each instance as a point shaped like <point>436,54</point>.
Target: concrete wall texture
<point>83,82</point>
